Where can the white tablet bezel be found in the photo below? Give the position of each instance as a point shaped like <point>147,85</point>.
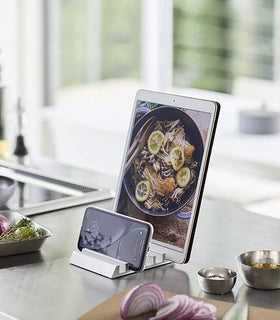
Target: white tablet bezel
<point>177,101</point>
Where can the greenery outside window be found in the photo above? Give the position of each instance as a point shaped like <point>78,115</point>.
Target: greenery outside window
<point>217,41</point>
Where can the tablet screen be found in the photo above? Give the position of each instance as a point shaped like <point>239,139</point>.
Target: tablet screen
<point>162,169</point>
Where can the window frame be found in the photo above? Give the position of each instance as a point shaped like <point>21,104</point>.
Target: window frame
<point>156,45</point>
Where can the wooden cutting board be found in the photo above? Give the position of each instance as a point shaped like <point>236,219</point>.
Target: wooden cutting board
<point>110,310</point>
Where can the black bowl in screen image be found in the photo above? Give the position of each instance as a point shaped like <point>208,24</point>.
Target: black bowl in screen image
<point>162,177</point>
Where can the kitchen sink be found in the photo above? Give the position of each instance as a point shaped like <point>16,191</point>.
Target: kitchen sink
<point>38,192</point>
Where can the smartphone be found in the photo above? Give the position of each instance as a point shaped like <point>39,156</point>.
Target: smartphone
<point>116,235</point>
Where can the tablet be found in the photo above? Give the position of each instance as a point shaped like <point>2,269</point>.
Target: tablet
<point>164,167</point>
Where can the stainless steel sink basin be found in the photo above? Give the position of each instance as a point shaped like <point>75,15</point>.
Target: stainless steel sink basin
<point>37,191</point>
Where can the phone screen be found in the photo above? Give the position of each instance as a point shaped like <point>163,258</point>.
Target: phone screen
<point>115,235</point>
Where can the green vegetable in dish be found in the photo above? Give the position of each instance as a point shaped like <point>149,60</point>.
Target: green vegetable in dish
<point>24,229</point>
<point>24,222</point>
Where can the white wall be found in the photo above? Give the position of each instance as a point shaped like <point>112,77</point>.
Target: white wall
<point>9,52</point>
<point>20,43</point>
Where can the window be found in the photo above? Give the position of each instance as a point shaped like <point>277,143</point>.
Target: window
<point>217,41</point>
<point>68,50</point>
<point>213,41</point>
<point>99,39</point>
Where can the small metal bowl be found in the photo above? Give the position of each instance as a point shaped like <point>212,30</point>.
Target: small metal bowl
<point>260,269</point>
<point>216,280</point>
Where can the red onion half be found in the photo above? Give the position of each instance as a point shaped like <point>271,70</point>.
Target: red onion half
<point>5,224</point>
<point>141,299</point>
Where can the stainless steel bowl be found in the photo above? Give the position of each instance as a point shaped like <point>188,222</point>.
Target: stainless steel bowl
<point>216,280</point>
<point>260,269</point>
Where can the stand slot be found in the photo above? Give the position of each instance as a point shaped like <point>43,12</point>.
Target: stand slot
<point>111,267</point>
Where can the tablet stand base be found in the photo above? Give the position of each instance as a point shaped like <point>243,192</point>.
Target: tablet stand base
<point>111,267</point>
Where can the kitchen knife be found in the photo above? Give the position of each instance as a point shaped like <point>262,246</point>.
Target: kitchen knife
<point>239,311</point>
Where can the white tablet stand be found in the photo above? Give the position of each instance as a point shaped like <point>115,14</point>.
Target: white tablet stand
<point>111,267</point>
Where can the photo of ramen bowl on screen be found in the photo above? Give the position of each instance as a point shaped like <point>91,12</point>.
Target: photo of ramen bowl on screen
<point>163,161</point>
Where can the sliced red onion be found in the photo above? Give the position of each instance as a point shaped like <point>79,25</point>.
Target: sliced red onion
<point>141,299</point>
<point>149,297</point>
<point>186,310</point>
<point>196,307</point>
<point>207,311</point>
<point>167,309</point>
<point>180,307</point>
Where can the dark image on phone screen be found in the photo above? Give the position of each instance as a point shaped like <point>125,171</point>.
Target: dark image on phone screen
<point>115,235</point>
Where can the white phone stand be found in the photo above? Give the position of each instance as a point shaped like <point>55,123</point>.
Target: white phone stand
<point>111,267</point>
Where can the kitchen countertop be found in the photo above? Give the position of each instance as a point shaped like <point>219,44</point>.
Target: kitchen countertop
<point>43,285</point>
